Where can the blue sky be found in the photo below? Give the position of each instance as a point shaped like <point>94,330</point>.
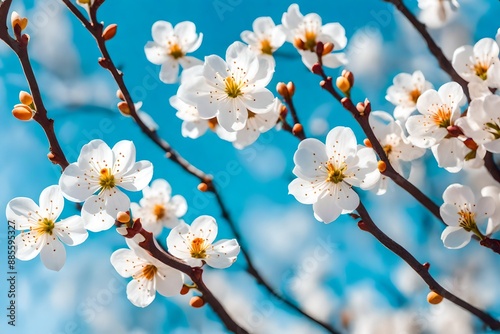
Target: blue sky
<point>356,277</point>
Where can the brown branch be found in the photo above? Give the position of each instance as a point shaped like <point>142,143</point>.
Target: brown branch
<point>20,47</point>
<point>96,28</point>
<point>366,224</point>
<point>362,119</point>
<point>444,63</point>
<point>194,273</point>
<point>491,166</point>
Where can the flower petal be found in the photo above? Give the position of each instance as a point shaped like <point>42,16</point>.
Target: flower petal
<point>326,210</point>
<point>161,31</point>
<point>222,254</point>
<point>137,177</point>
<point>141,292</point>
<point>23,212</point>
<point>455,237</point>
<point>53,253</point>
<point>76,185</point>
<point>28,245</point>
<point>71,231</point>
<point>51,202</point>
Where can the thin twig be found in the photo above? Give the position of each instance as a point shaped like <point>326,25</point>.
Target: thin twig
<point>444,63</point>
<point>491,166</point>
<point>366,224</point>
<point>20,47</point>
<point>96,28</point>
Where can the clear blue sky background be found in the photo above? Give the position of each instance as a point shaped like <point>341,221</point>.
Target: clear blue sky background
<point>356,277</point>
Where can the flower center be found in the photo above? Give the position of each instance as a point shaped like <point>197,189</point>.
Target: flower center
<point>481,70</point>
<point>387,149</point>
<point>106,180</point>
<point>45,226</point>
<point>415,94</point>
<point>233,88</point>
<point>148,272</point>
<point>310,42</point>
<point>198,248</point>
<point>442,117</point>
<point>250,114</point>
<point>494,129</point>
<point>175,51</point>
<point>159,211</point>
<point>335,175</point>
<point>467,220</point>
<point>265,47</point>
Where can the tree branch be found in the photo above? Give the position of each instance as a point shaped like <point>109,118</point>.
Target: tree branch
<point>367,224</point>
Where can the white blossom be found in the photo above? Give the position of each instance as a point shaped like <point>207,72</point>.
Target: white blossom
<point>405,91</point>
<point>229,89</point>
<point>41,232</point>
<point>170,47</point>
<point>266,37</point>
<point>462,213</point>
<point>306,31</point>
<point>494,220</point>
<point>257,124</point>
<point>101,169</point>
<point>437,13</point>
<point>327,173</point>
<point>479,63</point>
<point>482,122</point>
<point>158,208</point>
<point>438,111</point>
<point>397,147</point>
<point>148,275</point>
<point>194,244</point>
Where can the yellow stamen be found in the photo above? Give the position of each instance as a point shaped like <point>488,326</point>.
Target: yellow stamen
<point>467,220</point>
<point>159,211</point>
<point>106,180</point>
<point>310,42</point>
<point>233,88</point>
<point>335,175</point>
<point>45,226</point>
<point>442,117</point>
<point>198,248</point>
<point>265,47</point>
<point>481,70</point>
<point>415,94</point>
<point>176,51</point>
<point>148,272</point>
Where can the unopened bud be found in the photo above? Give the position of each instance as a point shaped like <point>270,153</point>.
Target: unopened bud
<point>196,302</point>
<point>17,20</point>
<point>367,142</point>
<point>184,290</point>
<point>120,95</point>
<point>349,76</point>
<point>381,166</point>
<point>123,107</point>
<point>327,48</point>
<point>51,156</point>
<point>471,144</point>
<point>343,84</point>
<point>291,88</point>
<point>282,89</point>
<point>123,217</point>
<point>109,32</point>
<point>203,187</point>
<point>434,298</point>
<point>22,112</point>
<point>320,47</point>
<point>283,111</point>
<point>297,128</point>
<point>25,98</point>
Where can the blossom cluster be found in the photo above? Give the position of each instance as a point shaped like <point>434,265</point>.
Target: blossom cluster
<point>97,180</point>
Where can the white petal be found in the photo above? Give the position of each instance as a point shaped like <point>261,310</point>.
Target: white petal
<point>161,31</point>
<point>141,292</point>
<point>169,72</point>
<point>137,177</point>
<point>341,143</point>
<point>326,210</point>
<point>168,281</point>
<point>51,202</point>
<point>449,213</point>
<point>455,237</point>
<point>179,204</point>
<point>126,262</point>
<point>155,53</point>
<point>259,100</point>
<point>485,208</point>
<point>205,227</point>
<point>71,230</point>
<point>94,214</point>
<point>304,191</point>
<point>76,184</point>
<point>334,60</point>
<point>124,157</point>
<point>23,212</point>
<point>222,254</point>
<point>27,246</point>
<point>53,253</point>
